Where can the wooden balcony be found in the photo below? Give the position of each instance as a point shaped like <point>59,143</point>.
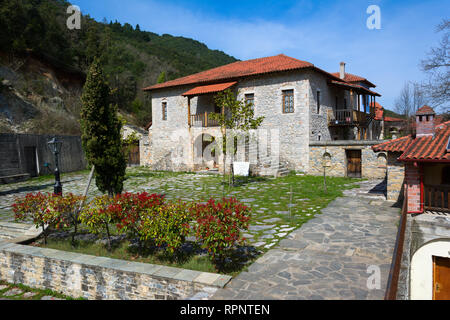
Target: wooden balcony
<point>437,198</point>
<point>346,117</point>
<point>203,120</point>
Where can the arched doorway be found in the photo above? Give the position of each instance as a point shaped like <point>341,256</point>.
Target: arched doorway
<point>205,152</point>
<point>430,271</point>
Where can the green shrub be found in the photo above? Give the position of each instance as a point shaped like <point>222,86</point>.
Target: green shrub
<point>167,226</point>
<point>98,215</point>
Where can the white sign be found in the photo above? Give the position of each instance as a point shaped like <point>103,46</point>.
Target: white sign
<point>241,168</point>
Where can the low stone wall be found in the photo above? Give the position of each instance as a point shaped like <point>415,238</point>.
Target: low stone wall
<point>101,278</point>
<point>373,164</point>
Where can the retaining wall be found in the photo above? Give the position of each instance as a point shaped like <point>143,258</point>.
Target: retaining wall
<point>100,278</point>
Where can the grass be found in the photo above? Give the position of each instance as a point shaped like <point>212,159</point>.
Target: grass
<point>123,251</point>
<point>39,294</point>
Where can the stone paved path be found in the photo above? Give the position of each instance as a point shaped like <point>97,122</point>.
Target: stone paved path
<point>328,257</point>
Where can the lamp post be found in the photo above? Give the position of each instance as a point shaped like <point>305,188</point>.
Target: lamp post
<point>326,163</point>
<point>55,147</point>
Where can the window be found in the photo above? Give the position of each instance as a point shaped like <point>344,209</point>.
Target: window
<point>164,111</point>
<point>318,102</point>
<point>288,101</point>
<point>250,99</point>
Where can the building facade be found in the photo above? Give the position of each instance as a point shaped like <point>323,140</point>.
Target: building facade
<point>302,105</point>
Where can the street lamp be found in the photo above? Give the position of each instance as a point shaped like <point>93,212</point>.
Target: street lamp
<point>326,163</point>
<point>55,147</point>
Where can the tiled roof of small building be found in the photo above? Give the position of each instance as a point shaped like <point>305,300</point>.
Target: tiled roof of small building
<point>425,110</point>
<point>379,111</point>
<point>391,119</point>
<point>423,148</point>
<point>396,145</point>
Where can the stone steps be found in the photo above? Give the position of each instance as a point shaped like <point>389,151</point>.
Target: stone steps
<point>19,231</point>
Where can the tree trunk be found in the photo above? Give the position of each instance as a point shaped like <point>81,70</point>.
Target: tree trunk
<point>109,236</point>
<point>44,231</point>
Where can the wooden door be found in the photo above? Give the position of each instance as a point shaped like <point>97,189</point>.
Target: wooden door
<point>441,278</point>
<point>30,160</point>
<point>134,156</point>
<point>354,163</point>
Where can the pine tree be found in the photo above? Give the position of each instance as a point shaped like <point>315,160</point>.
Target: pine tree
<point>101,133</point>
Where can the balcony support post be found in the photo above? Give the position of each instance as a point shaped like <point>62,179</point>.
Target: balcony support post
<point>189,112</point>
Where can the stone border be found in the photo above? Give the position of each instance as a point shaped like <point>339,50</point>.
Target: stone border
<point>100,278</point>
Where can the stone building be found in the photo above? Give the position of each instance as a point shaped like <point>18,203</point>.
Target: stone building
<point>303,108</point>
<point>419,167</point>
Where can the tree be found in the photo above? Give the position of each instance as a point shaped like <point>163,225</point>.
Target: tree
<point>436,65</point>
<point>162,77</point>
<point>101,133</point>
<point>412,97</point>
<point>237,117</point>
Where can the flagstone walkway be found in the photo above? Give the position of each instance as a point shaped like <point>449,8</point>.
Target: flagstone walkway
<point>329,256</point>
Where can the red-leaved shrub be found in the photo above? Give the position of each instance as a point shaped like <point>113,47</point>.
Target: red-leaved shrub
<point>219,225</point>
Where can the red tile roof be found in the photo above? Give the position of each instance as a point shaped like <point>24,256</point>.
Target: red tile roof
<point>239,69</point>
<point>209,89</point>
<point>355,86</point>
<point>391,119</point>
<point>425,110</point>
<point>353,78</point>
<point>379,111</point>
<point>396,145</point>
<point>424,148</point>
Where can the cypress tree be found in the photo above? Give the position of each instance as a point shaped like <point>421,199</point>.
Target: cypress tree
<point>101,133</point>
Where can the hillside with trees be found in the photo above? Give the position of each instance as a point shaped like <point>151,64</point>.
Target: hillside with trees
<point>43,65</point>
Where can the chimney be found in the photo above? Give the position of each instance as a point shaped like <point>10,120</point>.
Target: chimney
<point>342,72</point>
<point>425,121</point>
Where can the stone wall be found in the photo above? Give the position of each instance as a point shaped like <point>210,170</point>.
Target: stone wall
<point>396,177</point>
<point>373,165</point>
<point>293,127</point>
<point>101,278</point>
<point>13,159</point>
<point>170,138</point>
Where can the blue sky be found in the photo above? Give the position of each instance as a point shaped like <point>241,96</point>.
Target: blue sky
<point>321,32</point>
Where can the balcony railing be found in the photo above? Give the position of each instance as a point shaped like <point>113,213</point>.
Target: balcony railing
<point>346,117</point>
<point>203,120</point>
<point>437,198</point>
